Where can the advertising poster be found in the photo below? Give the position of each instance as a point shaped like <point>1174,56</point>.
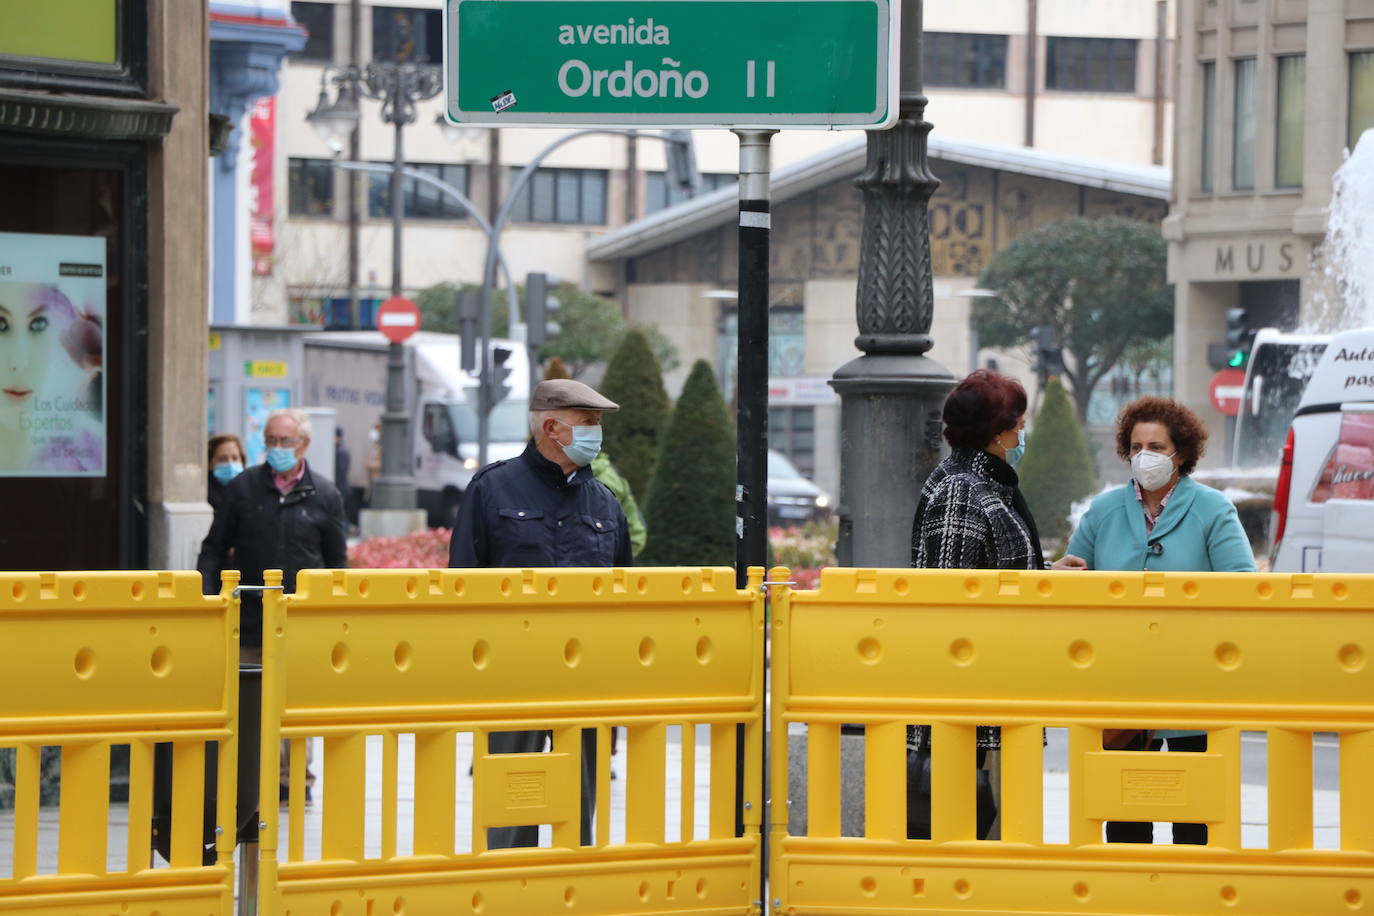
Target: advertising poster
<point>1349,471</point>
<point>258,405</point>
<point>52,355</point>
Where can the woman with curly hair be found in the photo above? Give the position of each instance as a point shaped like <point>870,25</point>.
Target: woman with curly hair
<point>1161,520</point>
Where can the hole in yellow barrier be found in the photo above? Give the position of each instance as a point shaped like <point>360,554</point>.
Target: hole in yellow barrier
<point>870,650</point>
<point>399,906</point>
<point>404,656</point>
<point>701,888</point>
<point>686,585</point>
<point>1154,877</point>
<point>1045,587</point>
<point>704,650</point>
<point>412,587</point>
<point>1229,895</point>
<point>525,625</point>
<point>1081,653</point>
<point>336,908</point>
<point>878,623</point>
<point>1264,590</point>
<point>1082,891</point>
<point>18,591</point>
<point>477,902</point>
<point>597,586</point>
<point>505,586</point>
<point>972,587</point>
<point>569,895</point>
<point>962,651</point>
<point>364,587</point>
<point>136,590</point>
<point>1228,656</point>
<point>918,887</point>
<point>646,651</point>
<point>84,664</point>
<point>161,662</point>
<point>1352,657</point>
<point>1339,590</point>
<point>868,885</point>
<point>481,653</point>
<point>572,653</point>
<point>1190,589</point>
<point>79,591</point>
<point>339,657</point>
<point>1154,627</point>
<point>459,586</point>
<point>1117,589</point>
<point>644,891</point>
<point>551,586</point>
<point>901,586</point>
<point>1353,899</point>
<point>961,888</point>
<point>152,631</point>
<point>642,585</point>
<point>345,629</point>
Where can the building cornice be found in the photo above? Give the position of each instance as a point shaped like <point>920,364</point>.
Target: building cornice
<point>88,117</point>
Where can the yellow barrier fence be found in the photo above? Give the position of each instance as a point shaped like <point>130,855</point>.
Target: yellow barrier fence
<point>404,675</point>
<point>95,665</point>
<point>1276,659</point>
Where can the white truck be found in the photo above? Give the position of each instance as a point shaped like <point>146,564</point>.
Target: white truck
<point>347,370</point>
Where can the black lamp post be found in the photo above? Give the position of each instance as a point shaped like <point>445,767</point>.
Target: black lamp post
<point>398,86</point>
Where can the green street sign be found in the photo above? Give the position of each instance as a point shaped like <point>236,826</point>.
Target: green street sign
<point>671,63</point>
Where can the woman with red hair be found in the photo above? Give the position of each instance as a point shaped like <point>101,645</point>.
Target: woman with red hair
<point>971,515</point>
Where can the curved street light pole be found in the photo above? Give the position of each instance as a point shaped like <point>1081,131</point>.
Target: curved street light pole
<point>489,268</point>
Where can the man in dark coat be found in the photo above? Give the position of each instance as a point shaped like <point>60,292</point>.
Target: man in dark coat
<point>277,515</point>
<point>545,508</point>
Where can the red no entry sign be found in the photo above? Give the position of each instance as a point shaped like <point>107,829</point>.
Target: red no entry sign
<point>397,319</point>
<point>1227,391</point>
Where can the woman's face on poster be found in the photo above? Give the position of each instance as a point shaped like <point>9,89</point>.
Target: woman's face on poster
<point>30,348</point>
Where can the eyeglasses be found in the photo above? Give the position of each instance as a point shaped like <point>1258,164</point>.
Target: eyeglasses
<point>275,442</point>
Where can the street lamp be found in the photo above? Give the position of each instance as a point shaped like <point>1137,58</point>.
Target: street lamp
<point>398,86</point>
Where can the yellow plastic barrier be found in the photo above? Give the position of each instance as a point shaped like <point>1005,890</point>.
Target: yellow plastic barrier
<point>91,661</point>
<point>1281,656</point>
<point>380,662</point>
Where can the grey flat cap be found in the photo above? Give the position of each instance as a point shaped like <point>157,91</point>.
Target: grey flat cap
<point>561,393</point>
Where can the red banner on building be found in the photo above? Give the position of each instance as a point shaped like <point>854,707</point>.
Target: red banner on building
<point>262,129</point>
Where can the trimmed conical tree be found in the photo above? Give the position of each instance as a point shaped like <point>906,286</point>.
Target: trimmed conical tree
<point>556,369</point>
<point>691,512</point>
<point>633,380</point>
<point>1057,469</point>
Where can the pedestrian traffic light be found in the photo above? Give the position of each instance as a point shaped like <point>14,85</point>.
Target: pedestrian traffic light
<point>1239,338</point>
<point>500,374</point>
<point>541,312</point>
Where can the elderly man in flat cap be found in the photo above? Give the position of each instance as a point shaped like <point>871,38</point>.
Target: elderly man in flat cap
<point>545,508</point>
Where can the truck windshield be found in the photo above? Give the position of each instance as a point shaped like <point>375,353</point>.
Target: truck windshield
<point>510,422</point>
<point>1274,383</point>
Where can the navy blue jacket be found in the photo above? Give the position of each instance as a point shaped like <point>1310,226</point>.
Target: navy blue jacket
<point>525,512</point>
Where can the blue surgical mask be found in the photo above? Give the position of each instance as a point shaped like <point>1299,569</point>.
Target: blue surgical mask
<point>227,471</point>
<point>586,444</point>
<point>1015,452</point>
<point>281,460</point>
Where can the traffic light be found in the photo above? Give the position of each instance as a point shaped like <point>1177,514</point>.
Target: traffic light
<point>1239,338</point>
<point>500,375</point>
<point>682,162</point>
<point>469,307</point>
<point>541,312</point>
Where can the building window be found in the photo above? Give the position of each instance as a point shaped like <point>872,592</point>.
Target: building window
<point>562,196</point>
<point>786,341</point>
<point>422,201</point>
<point>1243,152</point>
<point>1090,64</point>
<point>792,431</point>
<point>310,187</point>
<point>318,20</point>
<point>1292,92</point>
<point>402,33</point>
<point>1209,124</point>
<point>965,61</point>
<point>658,195</point>
<point>1361,95</point>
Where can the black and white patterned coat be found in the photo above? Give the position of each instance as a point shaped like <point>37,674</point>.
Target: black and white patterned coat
<point>972,516</point>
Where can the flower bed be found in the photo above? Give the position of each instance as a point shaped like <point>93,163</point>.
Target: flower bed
<point>805,550</point>
<point>417,550</point>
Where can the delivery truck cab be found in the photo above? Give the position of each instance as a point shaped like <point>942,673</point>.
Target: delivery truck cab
<point>347,370</point>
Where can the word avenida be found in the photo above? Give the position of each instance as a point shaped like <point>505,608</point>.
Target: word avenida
<point>627,33</point>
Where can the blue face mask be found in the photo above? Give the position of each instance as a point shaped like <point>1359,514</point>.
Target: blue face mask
<point>227,471</point>
<point>1015,452</point>
<point>281,460</point>
<point>586,444</point>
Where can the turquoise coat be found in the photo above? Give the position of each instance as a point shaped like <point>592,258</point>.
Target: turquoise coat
<point>1199,531</point>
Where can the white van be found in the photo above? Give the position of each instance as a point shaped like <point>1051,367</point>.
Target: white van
<point>1324,499</point>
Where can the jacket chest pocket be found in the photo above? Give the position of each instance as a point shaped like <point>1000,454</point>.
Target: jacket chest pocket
<point>523,538</point>
<point>589,540</point>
